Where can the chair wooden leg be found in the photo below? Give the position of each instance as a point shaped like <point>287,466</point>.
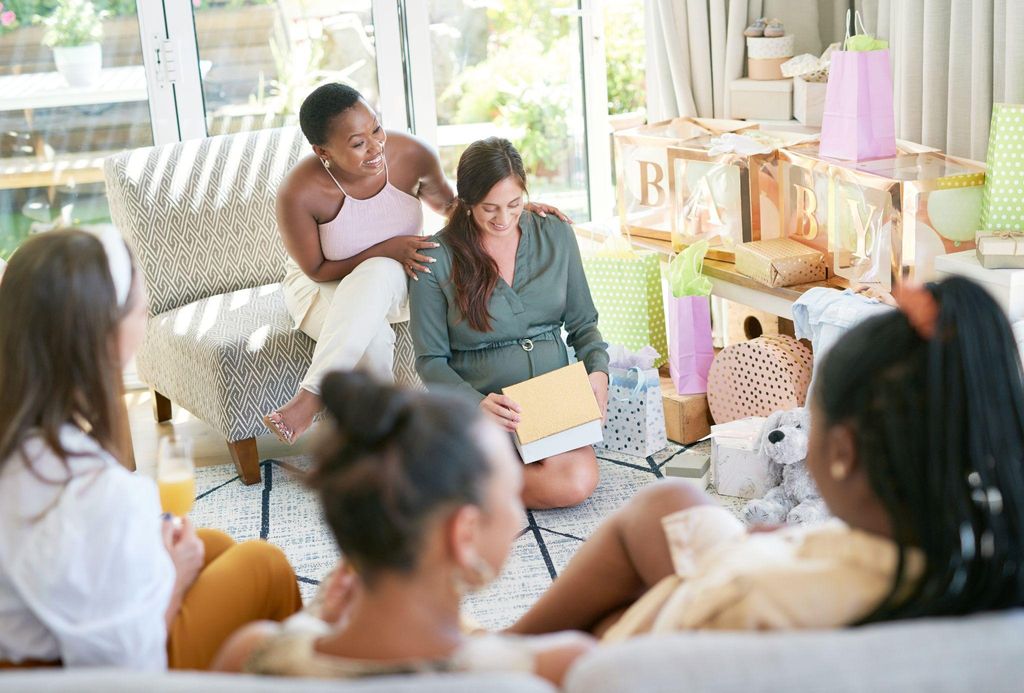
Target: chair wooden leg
<point>161,406</point>
<point>247,460</point>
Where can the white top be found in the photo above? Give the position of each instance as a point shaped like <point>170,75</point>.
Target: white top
<point>84,574</point>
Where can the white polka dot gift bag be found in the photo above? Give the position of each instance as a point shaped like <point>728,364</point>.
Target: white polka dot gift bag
<point>1002,206</point>
<point>635,424</point>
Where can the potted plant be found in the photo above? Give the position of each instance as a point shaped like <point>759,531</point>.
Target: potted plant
<point>74,31</point>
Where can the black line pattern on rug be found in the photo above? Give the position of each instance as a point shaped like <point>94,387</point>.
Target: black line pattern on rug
<point>625,464</point>
<point>308,581</point>
<point>562,534</point>
<point>218,487</point>
<point>535,528</point>
<point>268,485</point>
<point>677,453</point>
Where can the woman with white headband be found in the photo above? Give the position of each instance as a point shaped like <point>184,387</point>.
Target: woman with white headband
<point>90,573</point>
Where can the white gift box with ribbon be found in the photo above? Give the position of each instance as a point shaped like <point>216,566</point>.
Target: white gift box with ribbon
<point>635,424</point>
<point>737,466</point>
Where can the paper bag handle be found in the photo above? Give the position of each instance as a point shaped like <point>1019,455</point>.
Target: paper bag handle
<point>858,22</point>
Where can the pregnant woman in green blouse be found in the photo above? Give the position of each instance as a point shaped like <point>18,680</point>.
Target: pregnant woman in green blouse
<point>490,312</point>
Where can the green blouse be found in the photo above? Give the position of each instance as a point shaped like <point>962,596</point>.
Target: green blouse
<point>549,291</point>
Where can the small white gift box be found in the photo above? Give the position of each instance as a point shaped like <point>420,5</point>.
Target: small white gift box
<point>635,424</point>
<point>737,466</point>
<point>762,99</point>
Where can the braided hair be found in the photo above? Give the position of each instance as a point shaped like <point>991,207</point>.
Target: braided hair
<point>939,428</point>
<point>394,459</point>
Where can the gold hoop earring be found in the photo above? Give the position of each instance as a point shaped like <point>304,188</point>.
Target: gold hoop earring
<point>839,471</point>
<point>326,162</point>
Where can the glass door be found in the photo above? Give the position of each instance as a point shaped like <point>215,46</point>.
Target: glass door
<point>511,68</point>
<point>73,90</point>
<point>260,58</point>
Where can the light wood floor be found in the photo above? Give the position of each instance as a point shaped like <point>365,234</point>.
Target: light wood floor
<point>209,447</point>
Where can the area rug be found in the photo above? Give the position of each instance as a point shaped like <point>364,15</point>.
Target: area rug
<point>283,511</point>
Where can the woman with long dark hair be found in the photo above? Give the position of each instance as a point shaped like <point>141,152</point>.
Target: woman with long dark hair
<point>916,444</point>
<point>422,495</point>
<point>351,218</point>
<point>505,283</point>
<point>90,575</point>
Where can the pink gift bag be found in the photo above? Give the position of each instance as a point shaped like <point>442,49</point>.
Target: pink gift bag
<point>690,349</point>
<point>859,121</point>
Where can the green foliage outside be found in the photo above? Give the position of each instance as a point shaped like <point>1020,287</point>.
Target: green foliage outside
<point>522,83</point>
<point>72,23</point>
<point>25,10</point>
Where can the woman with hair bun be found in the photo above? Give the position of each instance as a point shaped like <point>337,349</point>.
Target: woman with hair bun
<point>422,494</point>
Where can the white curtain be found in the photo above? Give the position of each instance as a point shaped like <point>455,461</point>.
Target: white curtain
<point>695,48</point>
<point>952,59</point>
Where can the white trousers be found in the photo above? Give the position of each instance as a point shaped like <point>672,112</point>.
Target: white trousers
<point>351,321</point>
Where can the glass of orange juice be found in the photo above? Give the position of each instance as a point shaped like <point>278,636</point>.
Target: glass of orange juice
<point>176,476</point>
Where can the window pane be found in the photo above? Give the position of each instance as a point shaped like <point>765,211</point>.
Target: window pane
<point>57,124</point>
<point>266,56</point>
<point>512,68</point>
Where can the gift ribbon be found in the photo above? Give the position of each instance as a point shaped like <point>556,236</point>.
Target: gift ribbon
<point>641,384</point>
<point>1015,236</point>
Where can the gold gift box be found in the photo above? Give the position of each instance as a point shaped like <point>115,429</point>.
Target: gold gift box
<point>883,221</point>
<point>781,262</point>
<point>670,188</point>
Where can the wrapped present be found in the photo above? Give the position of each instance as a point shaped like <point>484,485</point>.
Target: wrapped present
<point>808,101</point>
<point>1003,205</point>
<point>879,222</point>
<point>687,418</point>
<point>627,291</point>
<point>780,262</point>
<point>737,466</point>
<point>1000,249</point>
<point>758,377</point>
<point>635,424</point>
<point>691,348</point>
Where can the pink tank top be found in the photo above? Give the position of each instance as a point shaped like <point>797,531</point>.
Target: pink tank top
<point>362,223</point>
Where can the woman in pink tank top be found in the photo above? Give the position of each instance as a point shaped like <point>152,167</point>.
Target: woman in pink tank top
<point>355,200</point>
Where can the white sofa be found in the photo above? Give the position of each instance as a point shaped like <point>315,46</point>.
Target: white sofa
<point>978,653</point>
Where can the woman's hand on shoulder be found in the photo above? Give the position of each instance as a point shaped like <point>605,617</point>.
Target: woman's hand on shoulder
<point>542,210</point>
<point>503,410</point>
<point>555,654</point>
<point>406,250</point>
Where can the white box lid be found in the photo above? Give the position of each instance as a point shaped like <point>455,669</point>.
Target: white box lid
<point>782,86</point>
<point>966,264</point>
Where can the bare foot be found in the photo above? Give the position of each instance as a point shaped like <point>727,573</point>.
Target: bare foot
<point>294,418</point>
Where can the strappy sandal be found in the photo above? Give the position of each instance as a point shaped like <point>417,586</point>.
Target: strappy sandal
<point>275,422</point>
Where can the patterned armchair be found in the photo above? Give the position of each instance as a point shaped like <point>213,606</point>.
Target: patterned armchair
<point>199,216</point>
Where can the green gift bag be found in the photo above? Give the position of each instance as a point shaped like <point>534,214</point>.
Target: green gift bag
<point>1002,203</point>
<point>626,287</point>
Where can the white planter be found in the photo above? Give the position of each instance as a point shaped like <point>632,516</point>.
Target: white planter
<point>79,65</point>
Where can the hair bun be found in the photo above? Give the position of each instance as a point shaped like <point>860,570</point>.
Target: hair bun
<point>365,411</point>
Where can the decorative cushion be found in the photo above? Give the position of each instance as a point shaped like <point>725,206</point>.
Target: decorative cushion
<point>232,358</point>
<point>758,378</point>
